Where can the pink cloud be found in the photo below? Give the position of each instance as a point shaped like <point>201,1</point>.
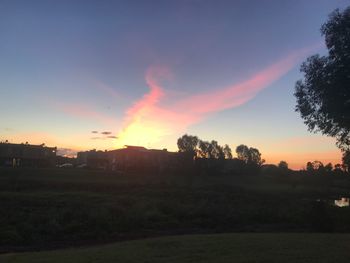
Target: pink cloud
<point>149,100</point>
<point>157,111</point>
<point>240,93</point>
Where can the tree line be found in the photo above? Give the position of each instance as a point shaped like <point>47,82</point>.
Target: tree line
<point>213,150</point>
<point>210,155</point>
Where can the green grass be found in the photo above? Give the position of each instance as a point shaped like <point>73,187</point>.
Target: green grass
<point>48,208</point>
<point>238,248</point>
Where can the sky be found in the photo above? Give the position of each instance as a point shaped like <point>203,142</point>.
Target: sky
<point>84,75</point>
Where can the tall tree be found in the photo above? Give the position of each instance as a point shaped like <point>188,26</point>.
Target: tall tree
<point>188,143</point>
<point>255,156</point>
<point>217,151</point>
<point>210,150</point>
<point>249,155</point>
<point>346,161</point>
<point>204,149</point>
<point>227,152</point>
<point>243,153</point>
<point>323,96</point>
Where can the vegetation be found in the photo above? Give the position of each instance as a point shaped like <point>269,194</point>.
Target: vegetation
<point>310,248</point>
<point>203,149</point>
<point>323,96</point>
<point>249,155</point>
<point>48,208</point>
<point>283,165</point>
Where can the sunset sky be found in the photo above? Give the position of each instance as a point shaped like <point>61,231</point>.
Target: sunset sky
<point>103,74</point>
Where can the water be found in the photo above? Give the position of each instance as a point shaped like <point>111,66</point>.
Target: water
<point>342,202</point>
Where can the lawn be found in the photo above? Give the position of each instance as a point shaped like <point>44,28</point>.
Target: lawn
<point>58,208</point>
<point>216,248</point>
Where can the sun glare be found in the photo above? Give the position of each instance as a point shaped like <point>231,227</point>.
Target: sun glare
<point>140,134</point>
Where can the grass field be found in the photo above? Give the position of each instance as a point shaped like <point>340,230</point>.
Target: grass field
<point>57,208</point>
<point>238,248</point>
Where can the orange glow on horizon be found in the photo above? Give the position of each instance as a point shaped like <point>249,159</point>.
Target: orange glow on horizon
<point>139,135</point>
<point>298,161</point>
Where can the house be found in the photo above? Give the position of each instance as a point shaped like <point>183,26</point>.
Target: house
<point>27,155</point>
<point>93,159</point>
<point>134,158</point>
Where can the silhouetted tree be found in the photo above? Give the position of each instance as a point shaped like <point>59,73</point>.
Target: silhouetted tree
<point>243,153</point>
<point>309,167</point>
<point>338,169</point>
<point>249,155</point>
<point>346,161</point>
<point>283,165</point>
<point>317,165</point>
<point>328,168</point>
<point>323,96</point>
<point>217,151</point>
<point>213,150</point>
<point>338,166</point>
<point>255,156</point>
<point>204,149</point>
<point>188,143</point>
<point>227,152</point>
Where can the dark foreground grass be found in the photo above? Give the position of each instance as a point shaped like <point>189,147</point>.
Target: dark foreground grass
<point>57,208</point>
<point>238,248</point>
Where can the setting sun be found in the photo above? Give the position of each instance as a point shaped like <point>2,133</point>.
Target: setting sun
<point>140,134</point>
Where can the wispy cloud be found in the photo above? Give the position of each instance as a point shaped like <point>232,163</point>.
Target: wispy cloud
<point>106,136</point>
<point>156,115</point>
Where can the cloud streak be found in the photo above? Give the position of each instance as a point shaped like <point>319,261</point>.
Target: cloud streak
<point>155,115</point>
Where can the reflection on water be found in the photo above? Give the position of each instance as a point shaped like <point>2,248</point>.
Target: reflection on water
<point>342,202</point>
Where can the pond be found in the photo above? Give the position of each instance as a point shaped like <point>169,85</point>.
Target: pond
<point>342,202</point>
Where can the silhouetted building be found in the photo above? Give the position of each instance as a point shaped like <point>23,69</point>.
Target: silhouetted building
<point>138,158</point>
<point>62,160</point>
<point>93,159</point>
<point>134,158</point>
<point>27,155</point>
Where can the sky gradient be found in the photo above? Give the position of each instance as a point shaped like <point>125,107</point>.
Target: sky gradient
<point>102,74</point>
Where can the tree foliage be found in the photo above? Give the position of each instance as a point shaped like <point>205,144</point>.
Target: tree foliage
<point>217,151</point>
<point>346,161</point>
<point>188,144</point>
<point>227,152</point>
<point>283,165</point>
<point>317,167</point>
<point>249,155</point>
<point>203,149</point>
<point>328,167</point>
<point>323,96</point>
